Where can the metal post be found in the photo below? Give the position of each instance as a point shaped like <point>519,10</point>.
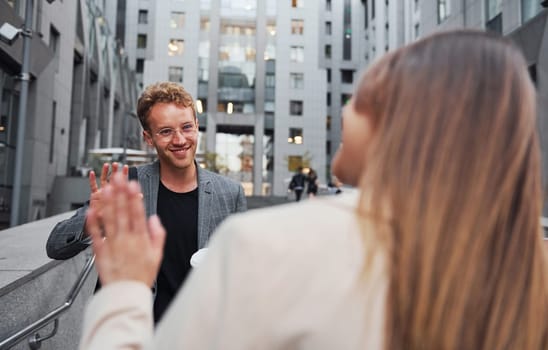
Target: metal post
<point>124,135</point>
<point>21,120</point>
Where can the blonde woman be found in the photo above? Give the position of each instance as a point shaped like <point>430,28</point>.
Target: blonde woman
<point>441,248</point>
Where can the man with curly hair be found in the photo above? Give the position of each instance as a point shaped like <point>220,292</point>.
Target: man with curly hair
<point>190,201</point>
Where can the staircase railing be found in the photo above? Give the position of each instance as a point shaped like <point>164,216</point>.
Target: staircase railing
<point>36,339</point>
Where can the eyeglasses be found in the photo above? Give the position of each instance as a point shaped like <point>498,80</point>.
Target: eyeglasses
<point>167,134</point>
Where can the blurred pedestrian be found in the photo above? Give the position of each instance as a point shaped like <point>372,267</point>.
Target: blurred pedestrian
<point>312,183</point>
<point>297,183</point>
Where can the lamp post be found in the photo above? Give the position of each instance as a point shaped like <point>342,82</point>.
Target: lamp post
<point>24,76</point>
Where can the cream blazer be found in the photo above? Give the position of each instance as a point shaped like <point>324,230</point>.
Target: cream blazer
<point>285,277</point>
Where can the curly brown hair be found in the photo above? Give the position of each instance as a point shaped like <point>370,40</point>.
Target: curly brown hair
<point>162,92</point>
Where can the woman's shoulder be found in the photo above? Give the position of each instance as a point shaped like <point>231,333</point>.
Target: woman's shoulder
<point>311,225</point>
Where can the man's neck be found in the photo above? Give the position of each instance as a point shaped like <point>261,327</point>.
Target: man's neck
<point>179,180</point>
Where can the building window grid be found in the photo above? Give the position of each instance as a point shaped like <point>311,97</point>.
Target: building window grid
<point>54,41</point>
<point>176,47</point>
<point>177,20</point>
<point>175,74</point>
<point>297,3</point>
<point>493,9</point>
<point>296,108</point>
<point>296,54</point>
<point>327,51</point>
<point>443,10</point>
<point>140,65</point>
<point>295,136</point>
<point>141,41</point>
<point>296,80</point>
<point>347,76</point>
<point>297,26</point>
<point>143,17</point>
<point>529,9</point>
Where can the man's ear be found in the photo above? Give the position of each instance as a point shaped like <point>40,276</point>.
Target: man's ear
<point>148,138</point>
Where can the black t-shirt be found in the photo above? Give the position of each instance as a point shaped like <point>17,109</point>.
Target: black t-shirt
<point>179,215</point>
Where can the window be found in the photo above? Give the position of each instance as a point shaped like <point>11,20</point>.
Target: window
<point>417,30</point>
<point>373,9</point>
<point>175,74</point>
<point>205,24</point>
<point>140,65</point>
<point>296,107</point>
<point>294,162</point>
<point>270,80</point>
<point>141,41</point>
<point>328,123</point>
<point>366,14</point>
<point>345,98</point>
<point>443,10</point>
<point>327,28</point>
<point>52,131</point>
<point>533,73</point>
<point>176,47</point>
<point>494,15</point>
<point>347,38</point>
<point>297,26</point>
<point>328,99</point>
<point>416,5</point>
<point>177,20</point>
<point>529,8</point>
<point>297,3</point>
<point>296,80</point>
<point>328,147</point>
<point>328,5</point>
<point>347,76</point>
<point>327,51</point>
<point>54,45</point>
<point>295,136</point>
<point>296,53</point>
<point>143,17</point>
<point>328,71</point>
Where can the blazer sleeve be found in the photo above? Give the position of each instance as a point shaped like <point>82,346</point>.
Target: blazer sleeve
<point>67,237</point>
<point>241,202</point>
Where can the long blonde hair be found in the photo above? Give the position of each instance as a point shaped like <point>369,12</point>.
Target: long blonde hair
<point>455,155</point>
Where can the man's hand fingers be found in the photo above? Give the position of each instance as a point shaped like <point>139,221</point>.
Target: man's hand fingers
<point>115,167</point>
<point>92,182</point>
<point>104,174</point>
<point>125,170</point>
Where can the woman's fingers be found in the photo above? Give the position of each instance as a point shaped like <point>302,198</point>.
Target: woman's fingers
<point>125,170</point>
<point>94,230</point>
<point>108,211</point>
<point>104,174</point>
<point>136,210</point>
<point>121,202</point>
<point>92,182</point>
<point>157,237</point>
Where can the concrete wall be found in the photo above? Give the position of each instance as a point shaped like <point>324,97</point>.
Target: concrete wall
<point>32,285</point>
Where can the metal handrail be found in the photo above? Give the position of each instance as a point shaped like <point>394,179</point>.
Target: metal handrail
<point>53,316</point>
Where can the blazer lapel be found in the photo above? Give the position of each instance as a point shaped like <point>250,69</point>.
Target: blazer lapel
<point>205,203</point>
<point>149,179</point>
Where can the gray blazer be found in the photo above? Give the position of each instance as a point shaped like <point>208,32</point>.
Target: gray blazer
<point>218,197</point>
